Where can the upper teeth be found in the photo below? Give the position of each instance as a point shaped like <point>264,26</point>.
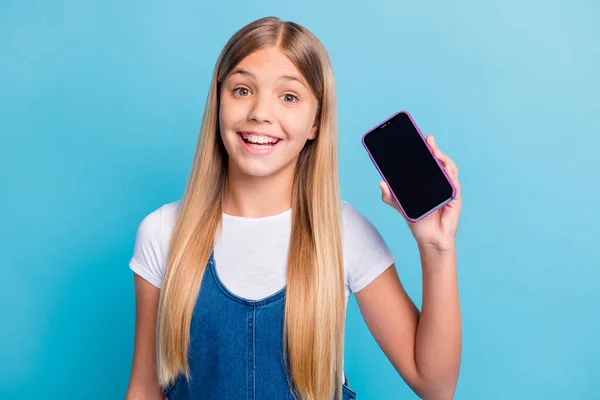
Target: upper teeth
<point>258,138</point>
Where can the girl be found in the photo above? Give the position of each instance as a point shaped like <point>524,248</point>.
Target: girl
<point>242,286</point>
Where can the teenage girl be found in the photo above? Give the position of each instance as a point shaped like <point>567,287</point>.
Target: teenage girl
<point>242,285</point>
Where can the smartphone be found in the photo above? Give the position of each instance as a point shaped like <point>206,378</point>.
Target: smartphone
<point>417,180</point>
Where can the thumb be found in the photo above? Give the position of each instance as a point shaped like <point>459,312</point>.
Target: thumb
<point>386,195</point>
<point>385,191</point>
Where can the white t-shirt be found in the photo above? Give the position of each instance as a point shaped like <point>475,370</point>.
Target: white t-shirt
<point>251,253</point>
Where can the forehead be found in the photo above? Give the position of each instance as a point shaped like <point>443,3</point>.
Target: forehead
<point>268,64</point>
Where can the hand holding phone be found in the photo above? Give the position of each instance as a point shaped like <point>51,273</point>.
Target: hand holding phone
<point>416,178</point>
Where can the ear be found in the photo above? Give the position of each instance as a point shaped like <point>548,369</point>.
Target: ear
<point>313,132</point>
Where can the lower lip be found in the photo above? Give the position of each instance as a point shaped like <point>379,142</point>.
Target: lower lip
<point>258,151</point>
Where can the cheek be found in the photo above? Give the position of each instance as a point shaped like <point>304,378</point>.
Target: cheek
<point>226,113</point>
<point>230,117</point>
<point>296,125</point>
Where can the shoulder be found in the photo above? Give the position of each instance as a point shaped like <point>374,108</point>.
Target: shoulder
<point>159,221</point>
<point>366,254</point>
<point>349,213</point>
<point>152,243</point>
<point>354,223</point>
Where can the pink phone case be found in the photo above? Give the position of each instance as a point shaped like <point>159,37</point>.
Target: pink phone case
<point>432,155</point>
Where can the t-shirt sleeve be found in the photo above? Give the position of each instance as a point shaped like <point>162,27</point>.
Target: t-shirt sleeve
<point>148,258</point>
<point>367,254</point>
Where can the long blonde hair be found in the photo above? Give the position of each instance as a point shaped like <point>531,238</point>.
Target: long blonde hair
<point>314,313</point>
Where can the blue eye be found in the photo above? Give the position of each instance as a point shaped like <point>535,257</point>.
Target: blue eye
<point>291,95</point>
<point>240,88</point>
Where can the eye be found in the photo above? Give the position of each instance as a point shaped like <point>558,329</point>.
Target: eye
<point>289,95</point>
<point>245,90</point>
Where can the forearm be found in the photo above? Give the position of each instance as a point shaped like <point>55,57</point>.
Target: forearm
<point>438,340</point>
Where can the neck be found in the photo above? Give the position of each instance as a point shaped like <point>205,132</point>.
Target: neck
<point>257,197</point>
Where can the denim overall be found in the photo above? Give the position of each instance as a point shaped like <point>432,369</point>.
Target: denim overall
<point>236,349</point>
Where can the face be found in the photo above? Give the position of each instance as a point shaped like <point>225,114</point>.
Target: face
<point>267,113</point>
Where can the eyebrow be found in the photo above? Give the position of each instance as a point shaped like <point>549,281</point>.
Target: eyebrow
<point>242,71</point>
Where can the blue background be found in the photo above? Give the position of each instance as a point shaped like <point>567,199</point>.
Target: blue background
<point>100,105</point>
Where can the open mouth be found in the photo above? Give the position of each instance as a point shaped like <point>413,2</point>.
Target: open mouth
<point>258,142</point>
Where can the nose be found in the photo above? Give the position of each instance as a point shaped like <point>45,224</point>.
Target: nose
<point>261,109</point>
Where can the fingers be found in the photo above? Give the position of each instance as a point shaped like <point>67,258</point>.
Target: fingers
<point>448,164</point>
<point>386,195</point>
<point>385,191</point>
<point>446,161</point>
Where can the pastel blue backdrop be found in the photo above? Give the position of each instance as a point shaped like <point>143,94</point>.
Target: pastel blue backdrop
<point>100,105</point>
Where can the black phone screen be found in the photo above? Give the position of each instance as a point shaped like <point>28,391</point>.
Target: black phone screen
<point>408,166</point>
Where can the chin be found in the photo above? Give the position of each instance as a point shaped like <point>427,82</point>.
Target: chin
<point>257,171</point>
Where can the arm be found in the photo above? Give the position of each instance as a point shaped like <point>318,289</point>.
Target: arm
<point>425,347</point>
<point>143,383</point>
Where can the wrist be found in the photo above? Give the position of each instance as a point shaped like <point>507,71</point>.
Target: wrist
<point>436,258</point>
<point>438,247</point>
